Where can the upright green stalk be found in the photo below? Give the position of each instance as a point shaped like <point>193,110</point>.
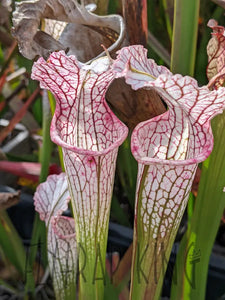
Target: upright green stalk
<point>127,171</point>
<point>11,243</point>
<point>46,149</point>
<point>39,232</point>
<point>166,5</point>
<point>52,107</point>
<point>102,7</point>
<point>186,13</point>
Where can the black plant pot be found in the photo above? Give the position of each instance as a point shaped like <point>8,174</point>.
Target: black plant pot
<point>216,274</point>
<point>120,238</point>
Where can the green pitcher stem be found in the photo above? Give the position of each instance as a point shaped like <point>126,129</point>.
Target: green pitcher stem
<point>155,226</point>
<point>92,278</point>
<point>150,263</point>
<point>150,259</point>
<point>185,31</point>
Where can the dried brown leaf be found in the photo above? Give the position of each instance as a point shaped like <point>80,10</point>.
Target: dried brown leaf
<point>9,199</point>
<point>33,42</point>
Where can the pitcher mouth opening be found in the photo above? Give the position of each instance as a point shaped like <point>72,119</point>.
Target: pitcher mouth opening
<point>122,133</point>
<point>142,158</point>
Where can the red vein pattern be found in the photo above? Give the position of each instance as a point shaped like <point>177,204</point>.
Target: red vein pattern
<point>132,63</point>
<point>51,199</point>
<point>168,149</point>
<point>90,135</point>
<point>63,256</point>
<point>215,50</point>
